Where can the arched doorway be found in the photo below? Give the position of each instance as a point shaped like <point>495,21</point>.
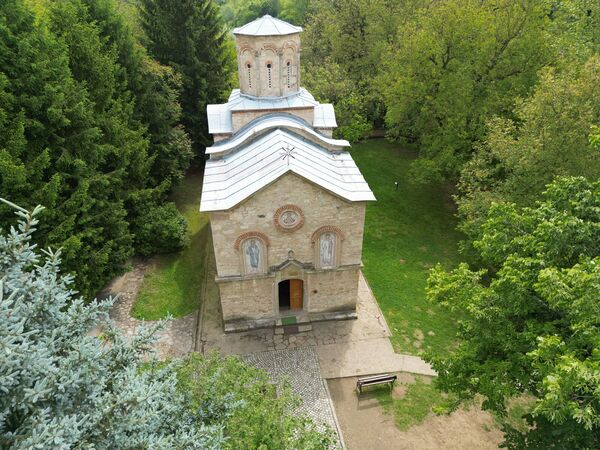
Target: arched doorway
<point>291,295</point>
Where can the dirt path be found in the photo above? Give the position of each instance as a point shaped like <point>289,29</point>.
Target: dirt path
<point>177,337</point>
<point>365,425</point>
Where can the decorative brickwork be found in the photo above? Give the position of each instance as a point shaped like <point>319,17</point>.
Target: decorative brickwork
<point>288,218</point>
<point>326,229</point>
<point>250,234</point>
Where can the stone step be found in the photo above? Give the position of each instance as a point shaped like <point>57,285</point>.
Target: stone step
<point>293,329</point>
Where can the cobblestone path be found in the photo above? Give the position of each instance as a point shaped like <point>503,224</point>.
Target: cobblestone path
<point>301,367</point>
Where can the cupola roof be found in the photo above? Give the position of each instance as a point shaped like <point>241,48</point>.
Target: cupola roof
<point>267,26</point>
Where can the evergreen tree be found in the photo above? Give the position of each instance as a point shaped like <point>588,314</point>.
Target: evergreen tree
<point>189,36</point>
<point>63,388</point>
<point>155,89</point>
<point>73,138</point>
<point>52,151</point>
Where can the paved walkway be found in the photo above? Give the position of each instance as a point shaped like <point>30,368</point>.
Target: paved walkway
<point>344,348</point>
<point>177,337</point>
<point>301,367</point>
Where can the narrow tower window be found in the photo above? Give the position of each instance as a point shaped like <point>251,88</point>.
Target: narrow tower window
<point>249,71</point>
<point>269,75</point>
<point>289,74</point>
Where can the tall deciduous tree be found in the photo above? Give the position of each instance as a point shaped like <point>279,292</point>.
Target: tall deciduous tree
<point>455,64</point>
<point>550,137</point>
<point>532,324</point>
<point>189,36</point>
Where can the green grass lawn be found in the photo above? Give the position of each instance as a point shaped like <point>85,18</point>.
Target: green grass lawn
<point>173,283</point>
<point>407,232</point>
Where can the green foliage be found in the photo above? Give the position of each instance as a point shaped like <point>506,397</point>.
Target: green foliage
<point>264,416</point>
<point>327,83</point>
<point>64,388</point>
<point>552,135</point>
<point>407,231</point>
<point>239,12</point>
<point>161,229</point>
<point>189,36</point>
<point>344,44</point>
<point>173,284</point>
<point>532,323</point>
<point>455,64</point>
<point>87,122</point>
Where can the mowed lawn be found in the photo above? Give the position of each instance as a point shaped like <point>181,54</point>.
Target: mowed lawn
<point>173,283</point>
<point>407,232</point>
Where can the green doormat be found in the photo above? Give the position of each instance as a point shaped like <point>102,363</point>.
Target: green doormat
<point>288,320</point>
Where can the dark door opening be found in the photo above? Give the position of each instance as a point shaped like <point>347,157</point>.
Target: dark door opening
<point>290,295</point>
<point>284,295</point>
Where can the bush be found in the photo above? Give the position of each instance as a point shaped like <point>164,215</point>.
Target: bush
<point>160,229</point>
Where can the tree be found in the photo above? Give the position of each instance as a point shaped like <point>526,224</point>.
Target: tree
<point>550,137</point>
<point>63,387</point>
<point>155,89</point>
<point>344,45</point>
<point>188,35</point>
<point>51,142</point>
<point>74,137</point>
<point>264,416</point>
<point>454,64</point>
<point>532,321</point>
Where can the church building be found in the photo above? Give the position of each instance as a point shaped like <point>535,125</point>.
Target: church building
<point>286,200</point>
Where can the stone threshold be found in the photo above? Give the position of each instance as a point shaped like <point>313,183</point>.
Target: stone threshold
<point>302,321</point>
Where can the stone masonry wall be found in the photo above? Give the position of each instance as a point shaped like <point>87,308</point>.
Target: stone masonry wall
<point>241,118</point>
<point>256,214</point>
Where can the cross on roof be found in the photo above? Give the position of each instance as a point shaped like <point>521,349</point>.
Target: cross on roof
<point>287,153</point>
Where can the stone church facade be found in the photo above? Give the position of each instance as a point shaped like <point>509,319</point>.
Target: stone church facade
<point>286,201</point>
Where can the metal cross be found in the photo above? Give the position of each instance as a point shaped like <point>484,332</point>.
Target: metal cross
<point>287,153</point>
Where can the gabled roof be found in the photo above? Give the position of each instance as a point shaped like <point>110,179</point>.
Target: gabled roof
<point>267,26</point>
<point>235,177</point>
<point>277,120</point>
<point>219,116</point>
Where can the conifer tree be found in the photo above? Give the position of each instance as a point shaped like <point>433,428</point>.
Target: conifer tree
<point>189,36</point>
<point>64,388</point>
<point>83,133</point>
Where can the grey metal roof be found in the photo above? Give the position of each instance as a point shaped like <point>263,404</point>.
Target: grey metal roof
<point>267,26</point>
<point>277,120</point>
<point>219,116</point>
<point>324,116</point>
<point>235,177</point>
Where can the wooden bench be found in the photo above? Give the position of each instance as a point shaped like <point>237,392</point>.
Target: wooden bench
<point>376,379</point>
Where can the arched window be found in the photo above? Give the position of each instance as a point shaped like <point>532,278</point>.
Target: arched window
<point>253,252</point>
<point>327,243</point>
<point>289,74</point>
<point>269,76</point>
<point>249,73</point>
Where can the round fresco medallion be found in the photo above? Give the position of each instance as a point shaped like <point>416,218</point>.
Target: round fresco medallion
<point>288,218</point>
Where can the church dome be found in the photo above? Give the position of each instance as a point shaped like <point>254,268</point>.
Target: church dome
<point>267,26</point>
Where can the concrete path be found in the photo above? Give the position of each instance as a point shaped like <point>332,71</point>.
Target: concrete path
<point>344,348</point>
<point>367,358</point>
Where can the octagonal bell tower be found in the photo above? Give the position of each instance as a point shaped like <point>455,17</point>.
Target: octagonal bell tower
<point>268,52</point>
